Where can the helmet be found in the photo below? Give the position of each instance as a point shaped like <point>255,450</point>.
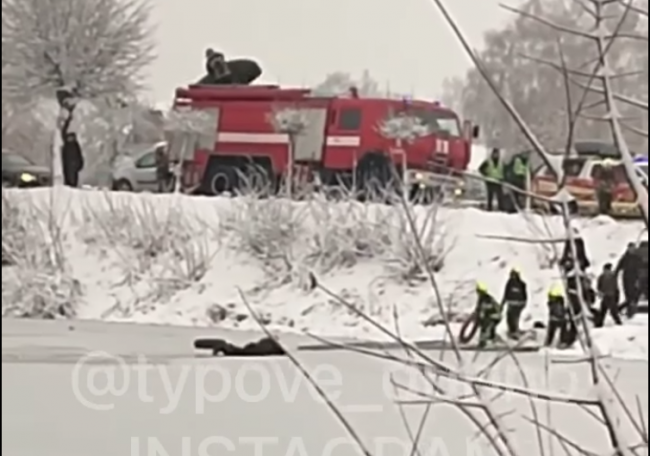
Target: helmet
<point>481,287</point>
<point>556,292</point>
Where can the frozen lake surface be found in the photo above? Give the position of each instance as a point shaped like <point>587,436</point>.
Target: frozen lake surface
<point>233,403</point>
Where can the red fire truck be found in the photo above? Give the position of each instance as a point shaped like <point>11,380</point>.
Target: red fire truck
<point>341,142</point>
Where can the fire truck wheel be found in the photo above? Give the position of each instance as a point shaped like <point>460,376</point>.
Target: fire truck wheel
<point>375,173</point>
<point>222,181</point>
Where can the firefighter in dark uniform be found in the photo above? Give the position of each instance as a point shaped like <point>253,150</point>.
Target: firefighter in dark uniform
<point>557,316</point>
<point>605,183</point>
<point>643,274</point>
<point>581,253</point>
<point>488,311</point>
<point>576,281</point>
<point>609,296</point>
<point>630,266</point>
<point>515,297</point>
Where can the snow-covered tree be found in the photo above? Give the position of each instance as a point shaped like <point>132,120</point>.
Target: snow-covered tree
<point>73,50</point>
<point>512,55</point>
<point>339,83</point>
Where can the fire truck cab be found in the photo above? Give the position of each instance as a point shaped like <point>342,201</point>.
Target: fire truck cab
<point>341,142</point>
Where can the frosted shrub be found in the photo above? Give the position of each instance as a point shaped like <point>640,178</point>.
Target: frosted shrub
<point>403,127</point>
<point>13,230</point>
<point>139,227</point>
<point>166,246</point>
<point>43,293</point>
<point>36,281</point>
<point>341,234</point>
<point>265,228</point>
<point>291,121</point>
<point>185,264</point>
<point>402,255</point>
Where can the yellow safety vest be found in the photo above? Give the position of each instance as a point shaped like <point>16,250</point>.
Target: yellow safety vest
<point>494,170</point>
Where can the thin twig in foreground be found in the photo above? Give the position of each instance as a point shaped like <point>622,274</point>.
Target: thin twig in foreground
<point>305,373</point>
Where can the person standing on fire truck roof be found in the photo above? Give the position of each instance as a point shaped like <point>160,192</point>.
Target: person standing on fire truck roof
<point>492,169</point>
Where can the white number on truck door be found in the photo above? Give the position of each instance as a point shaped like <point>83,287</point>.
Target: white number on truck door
<point>442,146</point>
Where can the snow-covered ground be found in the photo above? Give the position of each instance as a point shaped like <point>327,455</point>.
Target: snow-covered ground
<point>183,261</point>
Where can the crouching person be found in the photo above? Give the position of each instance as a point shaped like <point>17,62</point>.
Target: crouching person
<point>557,316</point>
<point>488,311</point>
<point>515,297</point>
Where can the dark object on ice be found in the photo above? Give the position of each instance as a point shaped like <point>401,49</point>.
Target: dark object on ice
<point>220,71</point>
<point>221,347</point>
<point>422,345</point>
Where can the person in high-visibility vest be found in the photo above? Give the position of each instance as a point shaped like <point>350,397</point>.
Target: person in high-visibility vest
<point>492,169</point>
<point>517,176</point>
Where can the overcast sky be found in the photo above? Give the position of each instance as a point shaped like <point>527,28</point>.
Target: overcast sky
<point>403,43</point>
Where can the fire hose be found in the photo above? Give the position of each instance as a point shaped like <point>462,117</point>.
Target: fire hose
<point>469,328</point>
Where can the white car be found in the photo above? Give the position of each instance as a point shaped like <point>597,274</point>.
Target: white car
<point>137,172</point>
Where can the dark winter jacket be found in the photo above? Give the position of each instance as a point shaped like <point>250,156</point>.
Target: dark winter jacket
<point>642,251</point>
<point>588,293</point>
<point>608,284</point>
<point>72,157</point>
<point>488,308</point>
<point>515,291</point>
<point>630,265</point>
<point>581,250</point>
<point>605,179</point>
<point>557,310</point>
<point>162,166</point>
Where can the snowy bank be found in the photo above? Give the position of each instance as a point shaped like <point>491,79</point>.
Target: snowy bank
<point>181,260</point>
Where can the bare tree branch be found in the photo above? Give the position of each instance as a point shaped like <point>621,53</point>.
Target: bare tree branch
<point>616,96</point>
<point>637,131</point>
<point>572,31</point>
<point>635,9</point>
